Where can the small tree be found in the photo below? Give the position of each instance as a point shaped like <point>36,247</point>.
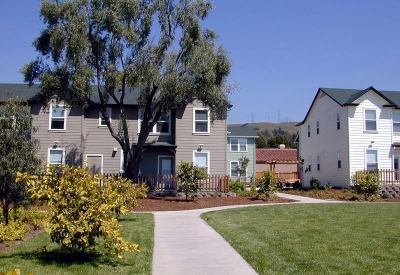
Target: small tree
<point>82,210</point>
<point>242,167</point>
<point>17,152</point>
<point>190,177</point>
<point>367,183</point>
<point>266,185</point>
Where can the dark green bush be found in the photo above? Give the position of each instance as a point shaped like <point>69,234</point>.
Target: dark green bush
<point>314,183</point>
<point>236,186</point>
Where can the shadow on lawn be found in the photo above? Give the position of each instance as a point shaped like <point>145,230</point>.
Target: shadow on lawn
<point>61,257</point>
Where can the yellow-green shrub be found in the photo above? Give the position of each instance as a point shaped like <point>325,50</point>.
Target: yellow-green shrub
<point>35,215</point>
<point>129,194</point>
<point>15,230</point>
<point>81,209</point>
<point>13,272</point>
<point>367,183</point>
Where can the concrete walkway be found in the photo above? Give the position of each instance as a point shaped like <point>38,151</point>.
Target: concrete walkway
<point>185,244</point>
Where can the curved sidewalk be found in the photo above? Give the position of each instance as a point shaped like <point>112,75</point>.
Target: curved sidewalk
<point>185,244</point>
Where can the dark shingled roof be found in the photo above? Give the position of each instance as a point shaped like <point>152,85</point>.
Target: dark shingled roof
<point>29,93</point>
<point>346,97</point>
<point>238,131</point>
<point>277,155</point>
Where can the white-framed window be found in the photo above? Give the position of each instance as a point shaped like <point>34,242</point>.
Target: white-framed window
<point>338,121</point>
<point>309,164</point>
<point>371,159</point>
<point>308,130</point>
<point>318,163</point>
<point>317,127</point>
<point>370,120</point>
<point>102,121</point>
<point>339,160</point>
<point>57,117</point>
<point>201,121</point>
<point>238,145</point>
<point>396,122</point>
<point>234,169</point>
<point>56,156</point>
<point>162,127</point>
<point>202,160</point>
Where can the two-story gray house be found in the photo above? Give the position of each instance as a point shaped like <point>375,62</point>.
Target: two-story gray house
<point>71,135</point>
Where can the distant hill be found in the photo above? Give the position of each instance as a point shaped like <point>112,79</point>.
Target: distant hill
<point>262,126</point>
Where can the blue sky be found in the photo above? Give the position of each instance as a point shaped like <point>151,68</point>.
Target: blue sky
<point>282,50</point>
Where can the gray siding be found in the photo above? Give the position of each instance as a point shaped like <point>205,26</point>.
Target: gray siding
<point>188,142</point>
<point>69,139</point>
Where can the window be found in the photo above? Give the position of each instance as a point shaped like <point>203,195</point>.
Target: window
<point>339,160</point>
<point>238,145</point>
<point>372,159</point>
<point>308,130</point>
<point>57,117</point>
<point>102,121</point>
<point>201,159</point>
<point>337,121</point>
<point>370,120</point>
<point>318,164</point>
<point>121,163</point>
<point>309,164</point>
<point>396,122</point>
<point>161,127</point>
<point>234,170</point>
<point>317,127</point>
<point>201,121</point>
<point>56,157</point>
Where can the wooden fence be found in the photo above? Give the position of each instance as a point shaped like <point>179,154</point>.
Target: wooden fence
<point>386,176</point>
<point>214,183</point>
<point>283,176</point>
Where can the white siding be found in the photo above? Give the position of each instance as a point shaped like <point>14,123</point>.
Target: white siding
<point>326,144</point>
<point>361,140</point>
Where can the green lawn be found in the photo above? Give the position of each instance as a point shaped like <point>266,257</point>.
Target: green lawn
<point>348,238</point>
<point>137,228</point>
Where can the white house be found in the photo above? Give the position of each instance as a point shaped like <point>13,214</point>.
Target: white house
<point>348,130</point>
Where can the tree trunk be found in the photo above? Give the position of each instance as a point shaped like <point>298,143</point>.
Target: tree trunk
<point>5,213</point>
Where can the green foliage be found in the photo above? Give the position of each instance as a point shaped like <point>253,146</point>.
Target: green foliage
<point>38,217</point>
<point>328,187</point>
<point>111,44</point>
<point>236,186</point>
<point>14,230</point>
<point>367,183</point>
<point>261,141</point>
<point>190,177</point>
<point>385,196</point>
<point>17,152</point>
<point>266,185</point>
<point>314,184</point>
<point>82,210</point>
<point>129,194</point>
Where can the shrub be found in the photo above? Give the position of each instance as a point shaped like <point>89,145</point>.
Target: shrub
<point>129,194</point>
<point>190,177</point>
<point>385,196</point>
<point>367,183</point>
<point>236,186</point>
<point>34,215</point>
<point>328,186</point>
<point>15,230</point>
<point>13,272</point>
<point>81,209</point>
<point>266,185</point>
<point>314,183</point>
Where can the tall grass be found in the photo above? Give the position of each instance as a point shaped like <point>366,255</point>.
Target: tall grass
<point>29,256</point>
<point>351,238</point>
